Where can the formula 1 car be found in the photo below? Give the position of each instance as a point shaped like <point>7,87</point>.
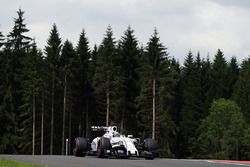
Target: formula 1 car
<point>112,143</point>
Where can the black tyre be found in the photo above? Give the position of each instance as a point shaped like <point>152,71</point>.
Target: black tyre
<point>80,147</point>
<point>150,145</point>
<point>103,146</point>
<point>150,148</point>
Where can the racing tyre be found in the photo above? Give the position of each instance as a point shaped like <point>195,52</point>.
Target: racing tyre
<point>150,147</point>
<point>103,146</point>
<point>80,147</point>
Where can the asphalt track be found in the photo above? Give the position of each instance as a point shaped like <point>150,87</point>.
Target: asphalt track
<point>70,161</point>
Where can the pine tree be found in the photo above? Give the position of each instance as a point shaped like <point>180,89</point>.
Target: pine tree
<point>175,109</point>
<point>67,61</point>
<point>93,64</point>
<point>242,89</point>
<point>8,122</point>
<point>105,79</point>
<point>53,50</point>
<point>206,70</point>
<point>30,88</point>
<point>144,102</point>
<point>189,102</point>
<point>92,101</point>
<point>93,59</point>
<point>16,48</point>
<point>129,54</point>
<point>158,78</point>
<point>232,76</point>
<point>156,56</point>
<point>219,77</point>
<point>43,104</point>
<point>83,53</point>
<point>18,40</point>
<point>194,101</point>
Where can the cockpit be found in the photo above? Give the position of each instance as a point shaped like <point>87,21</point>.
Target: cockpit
<point>116,134</point>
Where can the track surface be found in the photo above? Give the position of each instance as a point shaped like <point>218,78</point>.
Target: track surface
<point>70,161</point>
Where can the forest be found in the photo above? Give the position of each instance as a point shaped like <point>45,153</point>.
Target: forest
<point>200,109</point>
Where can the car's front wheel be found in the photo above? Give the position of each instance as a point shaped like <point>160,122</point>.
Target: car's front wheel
<point>102,147</point>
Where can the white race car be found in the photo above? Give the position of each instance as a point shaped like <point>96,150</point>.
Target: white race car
<point>111,143</point>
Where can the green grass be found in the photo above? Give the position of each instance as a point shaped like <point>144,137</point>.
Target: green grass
<point>11,163</point>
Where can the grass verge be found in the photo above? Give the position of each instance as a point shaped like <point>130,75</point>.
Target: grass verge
<point>11,163</point>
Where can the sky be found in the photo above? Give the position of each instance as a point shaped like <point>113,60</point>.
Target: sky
<point>183,25</point>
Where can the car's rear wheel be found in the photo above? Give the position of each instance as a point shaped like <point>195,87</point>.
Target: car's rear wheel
<point>103,146</point>
<point>80,147</point>
<point>150,147</point>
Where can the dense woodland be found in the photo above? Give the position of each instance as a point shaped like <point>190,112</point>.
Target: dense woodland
<point>200,109</point>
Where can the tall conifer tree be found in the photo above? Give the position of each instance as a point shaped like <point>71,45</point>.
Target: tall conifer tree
<point>156,55</point>
<point>152,67</point>
<point>17,46</point>
<point>53,50</point>
<point>105,78</point>
<point>232,76</point>
<point>189,102</point>
<point>194,100</point>
<point>129,55</point>
<point>8,122</point>
<point>18,39</point>
<point>242,89</point>
<point>83,53</point>
<point>67,62</point>
<point>30,88</point>
<point>219,77</point>
<point>158,78</point>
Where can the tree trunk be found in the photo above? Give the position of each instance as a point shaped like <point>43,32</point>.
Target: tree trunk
<point>70,131</point>
<point>64,111</point>
<point>80,128</point>
<point>52,114</point>
<point>237,149</point>
<point>108,103</point>
<point>87,118</point>
<point>42,123</point>
<point>153,126</point>
<point>34,122</point>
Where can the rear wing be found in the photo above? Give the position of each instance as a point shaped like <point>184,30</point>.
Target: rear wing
<point>103,128</point>
<point>99,128</point>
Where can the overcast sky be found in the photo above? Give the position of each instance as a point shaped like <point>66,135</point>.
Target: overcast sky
<point>183,25</point>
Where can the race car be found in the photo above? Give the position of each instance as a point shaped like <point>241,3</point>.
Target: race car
<point>109,142</point>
